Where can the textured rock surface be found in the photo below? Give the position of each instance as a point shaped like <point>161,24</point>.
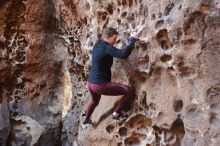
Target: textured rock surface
<point>45,55</point>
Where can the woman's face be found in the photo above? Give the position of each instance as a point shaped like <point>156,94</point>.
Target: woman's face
<point>113,39</point>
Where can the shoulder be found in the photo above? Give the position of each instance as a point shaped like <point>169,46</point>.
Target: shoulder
<point>100,43</point>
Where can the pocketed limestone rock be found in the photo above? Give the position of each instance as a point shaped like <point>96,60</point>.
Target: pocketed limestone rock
<point>45,58</point>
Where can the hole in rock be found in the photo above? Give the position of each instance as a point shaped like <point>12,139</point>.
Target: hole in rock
<point>189,41</point>
<point>102,15</point>
<point>144,100</point>
<point>155,70</point>
<point>138,121</point>
<point>110,8</point>
<point>170,68</point>
<point>140,108</point>
<point>164,44</point>
<point>20,86</point>
<point>136,109</point>
<point>179,130</point>
<point>118,10</point>
<point>213,94</point>
<point>135,139</point>
<point>152,106</point>
<point>91,43</point>
<point>122,131</point>
<point>20,58</point>
<point>191,109</point>
<point>194,21</point>
<point>160,115</point>
<point>123,14</point>
<point>204,8</point>
<point>141,8</point>
<point>110,129</point>
<point>119,3</point>
<point>168,9</point>
<point>140,76</point>
<point>153,17</point>
<point>1,92</point>
<point>118,21</point>
<point>213,118</point>
<point>159,24</point>
<point>185,71</point>
<point>99,36</point>
<point>131,18</point>
<point>165,58</point>
<point>144,60</point>
<point>124,2</point>
<point>179,33</point>
<point>18,123</point>
<point>121,123</point>
<point>213,105</point>
<point>85,21</point>
<point>15,114</point>
<point>143,45</point>
<point>158,132</point>
<point>178,105</point>
<point>163,39</point>
<point>160,15</point>
<point>2,45</point>
<point>87,6</point>
<point>17,98</point>
<point>10,51</point>
<point>130,3</point>
<point>132,141</point>
<point>118,41</point>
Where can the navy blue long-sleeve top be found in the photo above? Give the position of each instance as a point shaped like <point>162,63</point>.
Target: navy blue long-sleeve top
<point>102,59</point>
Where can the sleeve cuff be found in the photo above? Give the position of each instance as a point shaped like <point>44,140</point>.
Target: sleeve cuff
<point>132,39</point>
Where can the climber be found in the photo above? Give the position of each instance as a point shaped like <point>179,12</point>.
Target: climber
<point>99,80</point>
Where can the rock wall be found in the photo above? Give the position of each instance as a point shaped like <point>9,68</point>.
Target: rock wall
<point>45,57</point>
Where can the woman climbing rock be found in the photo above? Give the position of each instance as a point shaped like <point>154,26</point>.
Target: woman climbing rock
<point>99,80</point>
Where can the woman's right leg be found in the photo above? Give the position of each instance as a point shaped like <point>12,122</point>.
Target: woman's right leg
<point>93,102</point>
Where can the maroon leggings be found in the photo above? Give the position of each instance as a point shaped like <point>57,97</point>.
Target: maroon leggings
<point>110,88</point>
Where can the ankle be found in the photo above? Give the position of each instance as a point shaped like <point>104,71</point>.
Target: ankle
<point>87,121</point>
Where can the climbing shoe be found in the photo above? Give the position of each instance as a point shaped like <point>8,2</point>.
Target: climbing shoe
<point>119,117</point>
<point>84,114</point>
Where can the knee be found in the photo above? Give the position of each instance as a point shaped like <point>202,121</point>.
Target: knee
<point>132,91</point>
<point>93,103</point>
